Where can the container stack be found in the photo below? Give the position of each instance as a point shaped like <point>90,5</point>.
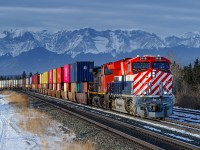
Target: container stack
<point>35,80</point>
<point>65,81</point>
<point>81,73</point>
<point>1,85</point>
<point>40,88</point>
<point>28,82</point>
<point>54,82</point>
<point>50,82</point>
<point>60,84</point>
<point>24,83</point>
<point>46,82</point>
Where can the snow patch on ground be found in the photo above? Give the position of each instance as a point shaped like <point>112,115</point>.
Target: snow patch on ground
<point>15,137</point>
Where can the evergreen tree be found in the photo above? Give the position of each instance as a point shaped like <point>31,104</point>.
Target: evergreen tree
<point>196,72</point>
<point>30,75</point>
<point>23,75</point>
<point>188,74</point>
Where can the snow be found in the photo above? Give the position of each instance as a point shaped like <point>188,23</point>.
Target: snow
<point>179,137</point>
<point>101,43</point>
<point>65,41</point>
<point>180,108</point>
<point>14,137</point>
<point>2,35</point>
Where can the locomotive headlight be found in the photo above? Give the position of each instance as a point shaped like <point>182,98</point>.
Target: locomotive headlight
<point>145,93</point>
<point>165,92</point>
<point>153,74</point>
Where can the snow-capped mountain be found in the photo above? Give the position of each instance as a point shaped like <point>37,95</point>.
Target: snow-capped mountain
<point>22,50</point>
<point>78,41</point>
<point>189,39</point>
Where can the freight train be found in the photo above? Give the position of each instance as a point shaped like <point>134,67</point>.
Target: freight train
<point>140,86</point>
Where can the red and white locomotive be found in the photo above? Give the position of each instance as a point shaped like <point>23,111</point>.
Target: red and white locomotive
<point>140,86</point>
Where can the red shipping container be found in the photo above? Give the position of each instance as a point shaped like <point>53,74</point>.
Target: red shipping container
<point>59,74</point>
<point>66,73</point>
<point>51,76</point>
<point>36,79</point>
<point>32,79</point>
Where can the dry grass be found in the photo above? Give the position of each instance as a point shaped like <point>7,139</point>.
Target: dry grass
<point>66,145</point>
<point>41,124</point>
<point>35,121</point>
<point>16,98</point>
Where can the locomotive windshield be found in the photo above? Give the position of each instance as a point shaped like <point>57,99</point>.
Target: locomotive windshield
<point>141,65</point>
<point>160,65</point>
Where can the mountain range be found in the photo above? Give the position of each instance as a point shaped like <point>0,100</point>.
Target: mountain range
<point>22,50</point>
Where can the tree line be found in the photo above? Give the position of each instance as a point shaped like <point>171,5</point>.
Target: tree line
<point>186,83</point>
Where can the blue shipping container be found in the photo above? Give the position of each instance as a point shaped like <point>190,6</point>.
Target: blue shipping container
<point>82,71</point>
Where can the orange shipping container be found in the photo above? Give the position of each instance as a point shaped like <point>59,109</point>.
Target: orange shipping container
<point>59,74</point>
<point>85,86</point>
<point>72,87</point>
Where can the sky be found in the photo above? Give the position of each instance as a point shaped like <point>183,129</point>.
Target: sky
<point>162,17</point>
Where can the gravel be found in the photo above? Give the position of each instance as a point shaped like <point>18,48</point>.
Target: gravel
<point>85,131</point>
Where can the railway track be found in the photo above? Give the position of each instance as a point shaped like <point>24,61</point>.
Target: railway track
<point>145,138</point>
<point>185,117</point>
<point>182,110</point>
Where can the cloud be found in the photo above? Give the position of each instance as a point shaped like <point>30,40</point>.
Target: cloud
<point>157,16</point>
<point>38,10</point>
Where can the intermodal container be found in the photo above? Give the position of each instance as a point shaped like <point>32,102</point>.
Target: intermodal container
<point>50,76</point>
<point>30,80</point>
<point>81,71</point>
<point>54,76</point>
<point>36,79</point>
<point>50,86</point>
<point>46,77</point>
<point>58,86</point>
<point>67,87</point>
<point>66,73</point>
<point>59,72</point>
<point>72,87</point>
<point>84,87</point>
<point>54,86</point>
<point>24,81</point>
<point>77,87</point>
